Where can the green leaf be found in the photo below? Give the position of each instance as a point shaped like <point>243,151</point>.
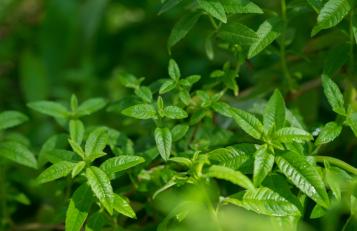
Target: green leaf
<point>303,175</point>
<point>56,171</point>
<point>168,5</point>
<point>129,80</point>
<point>184,96</point>
<point>317,212</point>
<point>141,111</point>
<point>167,86</point>
<point>179,131</point>
<point>100,185</point>
<point>78,168</point>
<point>76,131</point>
<point>248,122</point>
<point>331,14</point>
<point>213,8</point>
<point>291,134</point>
<point>241,7</point>
<point>263,164</point>
<point>144,93</point>
<point>267,32</point>
<point>334,95</point>
<point>96,142</point>
<point>10,119</point>
<point>174,70</point>
<point>120,163</point>
<point>335,59</point>
<point>237,33</point>
<point>163,140</point>
<point>90,106</point>
<point>316,4</point>
<point>328,133</point>
<point>121,205</point>
<point>265,201</point>
<point>351,121</point>
<point>222,108</point>
<point>49,108</point>
<point>18,153</point>
<point>274,112</point>
<point>182,27</point>
<point>190,80</point>
<point>231,175</point>
<point>58,155</point>
<point>78,208</point>
<point>96,221</point>
<point>174,112</point>
<point>76,148</point>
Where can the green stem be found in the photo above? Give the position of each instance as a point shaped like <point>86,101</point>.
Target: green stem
<point>284,65</point>
<point>336,162</point>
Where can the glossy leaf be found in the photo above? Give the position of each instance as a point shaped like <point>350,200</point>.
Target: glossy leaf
<point>96,142</point>
<point>331,14</point>
<point>263,164</point>
<point>291,134</point>
<point>328,133</point>
<point>304,176</point>
<point>248,122</point>
<point>56,171</point>
<point>163,140</point>
<point>334,95</point>
<point>241,7</point>
<point>274,112</point>
<point>213,8</point>
<point>231,175</point>
<point>78,208</point>
<point>120,163</point>
<point>101,187</point>
<point>141,111</point>
<point>237,33</point>
<point>121,205</point>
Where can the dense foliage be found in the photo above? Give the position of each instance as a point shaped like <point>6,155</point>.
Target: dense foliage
<point>246,118</point>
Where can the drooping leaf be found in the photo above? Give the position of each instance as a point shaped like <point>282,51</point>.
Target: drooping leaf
<point>214,8</point>
<point>101,187</point>
<point>303,175</point>
<point>90,106</point>
<point>96,142</point>
<point>49,108</point>
<point>263,164</point>
<point>17,153</point>
<point>328,133</point>
<point>265,201</point>
<point>141,111</point>
<point>331,14</point>
<point>163,140</point>
<point>10,119</point>
<point>248,122</point>
<point>78,208</point>
<point>121,205</point>
<point>231,175</point>
<point>120,163</point>
<point>241,7</point>
<point>334,95</point>
<point>174,112</point>
<point>76,131</point>
<point>56,171</point>
<point>182,27</point>
<point>274,112</point>
<point>291,134</point>
<point>237,33</point>
<point>267,32</point>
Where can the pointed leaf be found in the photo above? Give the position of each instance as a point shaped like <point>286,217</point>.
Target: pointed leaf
<point>120,163</point>
<point>241,7</point>
<point>237,33</point>
<point>328,133</point>
<point>167,86</point>
<point>248,122</point>
<point>121,205</point>
<point>76,131</point>
<point>174,112</point>
<point>141,111</point>
<point>96,142</point>
<point>263,165</point>
<point>266,201</point>
<point>334,95</point>
<point>179,131</point>
<point>213,8</point>
<point>274,112</point>
<point>303,175</point>
<point>163,140</point>
<point>10,119</point>
<point>174,70</point>
<point>101,187</point>
<point>90,106</point>
<point>351,121</point>
<point>78,208</point>
<point>231,175</point>
<point>56,171</point>
<point>49,108</point>
<point>18,153</point>
<point>331,14</point>
<point>291,134</point>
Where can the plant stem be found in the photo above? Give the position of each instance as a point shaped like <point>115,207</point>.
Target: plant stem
<point>336,162</point>
<point>284,66</point>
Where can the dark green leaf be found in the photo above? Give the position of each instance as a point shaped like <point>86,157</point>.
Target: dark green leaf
<point>237,33</point>
<point>334,95</point>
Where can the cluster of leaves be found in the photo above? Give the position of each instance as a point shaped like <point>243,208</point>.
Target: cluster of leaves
<point>195,147</point>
